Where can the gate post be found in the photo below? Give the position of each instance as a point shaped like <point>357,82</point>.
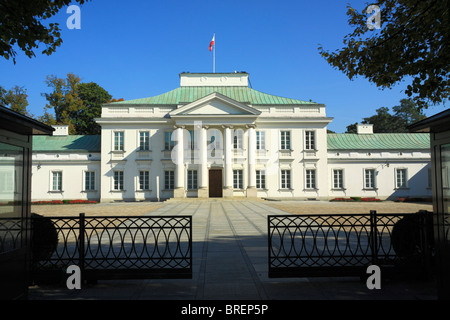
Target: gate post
<point>373,235</point>
<point>425,236</point>
<point>81,235</point>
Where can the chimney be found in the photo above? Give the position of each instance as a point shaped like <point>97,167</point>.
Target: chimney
<point>61,130</point>
<point>364,128</point>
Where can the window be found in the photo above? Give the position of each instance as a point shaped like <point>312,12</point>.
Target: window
<point>118,180</point>
<point>401,178</point>
<point>311,179</point>
<point>430,181</point>
<point>338,179</point>
<point>237,139</point>
<point>56,181</point>
<point>7,181</point>
<point>237,179</point>
<point>144,180</point>
<point>369,180</point>
<point>260,140</point>
<point>169,180</point>
<point>310,143</point>
<point>168,142</point>
<point>214,136</point>
<point>285,179</point>
<point>192,180</point>
<point>193,137</point>
<point>144,140</point>
<point>285,140</point>
<point>89,180</point>
<point>12,186</point>
<point>118,141</point>
<point>260,179</point>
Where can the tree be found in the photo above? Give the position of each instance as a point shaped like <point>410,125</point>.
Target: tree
<point>2,96</point>
<point>16,99</point>
<point>408,112</point>
<point>385,122</point>
<point>93,96</point>
<point>47,118</point>
<point>352,128</point>
<point>64,100</point>
<point>412,44</point>
<point>74,103</point>
<point>21,25</point>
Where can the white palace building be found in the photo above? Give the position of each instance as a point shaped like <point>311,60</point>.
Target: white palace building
<point>215,136</point>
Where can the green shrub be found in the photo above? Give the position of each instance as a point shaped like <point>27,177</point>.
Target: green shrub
<point>406,236</point>
<point>44,240</point>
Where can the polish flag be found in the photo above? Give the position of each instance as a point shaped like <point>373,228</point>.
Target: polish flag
<point>212,42</point>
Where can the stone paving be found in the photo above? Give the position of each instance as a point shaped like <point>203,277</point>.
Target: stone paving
<point>230,263</point>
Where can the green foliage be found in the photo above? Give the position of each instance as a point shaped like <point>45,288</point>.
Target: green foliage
<point>2,96</point>
<point>406,236</point>
<point>64,99</point>
<point>44,239</point>
<point>16,99</point>
<point>93,96</point>
<point>21,25</point>
<point>412,45</point>
<point>383,121</point>
<point>74,103</point>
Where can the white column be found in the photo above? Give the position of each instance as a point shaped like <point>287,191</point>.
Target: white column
<point>203,162</point>
<point>179,191</point>
<point>251,161</point>
<point>228,188</point>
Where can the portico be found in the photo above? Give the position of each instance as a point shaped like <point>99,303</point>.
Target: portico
<point>215,133</point>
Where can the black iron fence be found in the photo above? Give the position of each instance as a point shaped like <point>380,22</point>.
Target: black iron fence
<point>10,234</point>
<point>113,247</point>
<point>346,244</point>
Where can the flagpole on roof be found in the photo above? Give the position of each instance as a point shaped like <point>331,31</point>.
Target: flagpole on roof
<point>212,47</point>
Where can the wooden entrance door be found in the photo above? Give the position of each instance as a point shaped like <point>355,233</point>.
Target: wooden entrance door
<point>215,183</point>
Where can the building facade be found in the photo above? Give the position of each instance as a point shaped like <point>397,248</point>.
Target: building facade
<point>215,136</point>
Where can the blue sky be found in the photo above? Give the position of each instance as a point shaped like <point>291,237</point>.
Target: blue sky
<point>136,49</point>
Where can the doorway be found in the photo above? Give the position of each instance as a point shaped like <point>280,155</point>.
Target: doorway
<point>215,183</point>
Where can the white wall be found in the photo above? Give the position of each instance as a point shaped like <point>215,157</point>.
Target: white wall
<point>417,175</point>
<point>298,161</point>
<point>131,161</point>
<point>73,167</point>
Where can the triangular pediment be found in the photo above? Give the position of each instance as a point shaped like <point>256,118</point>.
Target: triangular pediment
<point>215,104</point>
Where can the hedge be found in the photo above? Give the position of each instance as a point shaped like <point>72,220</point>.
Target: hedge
<point>63,202</point>
<point>356,199</point>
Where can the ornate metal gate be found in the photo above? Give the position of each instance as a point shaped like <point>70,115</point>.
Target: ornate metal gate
<point>119,247</point>
<point>345,244</point>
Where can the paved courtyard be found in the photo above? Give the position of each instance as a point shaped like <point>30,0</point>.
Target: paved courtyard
<point>230,255</point>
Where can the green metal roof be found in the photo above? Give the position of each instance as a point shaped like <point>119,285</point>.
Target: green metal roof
<point>378,141</point>
<point>190,94</point>
<point>69,143</point>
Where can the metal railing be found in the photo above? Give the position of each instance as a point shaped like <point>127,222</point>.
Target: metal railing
<point>120,247</point>
<point>10,234</point>
<point>345,244</point>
